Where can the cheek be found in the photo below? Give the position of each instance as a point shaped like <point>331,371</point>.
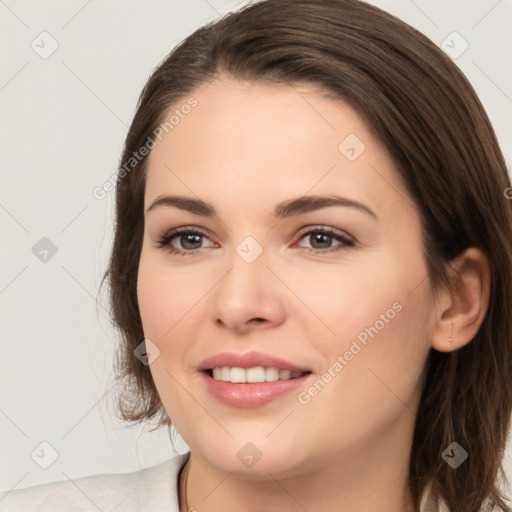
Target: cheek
<point>162,303</point>
<point>339,302</point>
<point>155,302</point>
<point>378,315</point>
<point>377,381</point>
<point>166,297</point>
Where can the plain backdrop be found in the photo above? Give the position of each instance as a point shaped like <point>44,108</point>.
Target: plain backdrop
<point>64,117</point>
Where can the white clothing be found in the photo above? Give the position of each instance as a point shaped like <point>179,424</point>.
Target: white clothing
<point>153,489</point>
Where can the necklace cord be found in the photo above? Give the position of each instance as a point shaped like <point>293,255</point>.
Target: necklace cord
<point>183,486</point>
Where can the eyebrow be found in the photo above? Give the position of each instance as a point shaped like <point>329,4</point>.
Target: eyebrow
<point>289,208</point>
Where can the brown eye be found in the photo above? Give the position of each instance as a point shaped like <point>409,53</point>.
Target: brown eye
<point>322,238</point>
<point>189,239</point>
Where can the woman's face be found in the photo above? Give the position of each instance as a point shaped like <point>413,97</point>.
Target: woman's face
<point>350,307</point>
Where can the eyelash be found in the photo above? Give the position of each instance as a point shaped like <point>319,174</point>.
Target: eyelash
<point>163,242</point>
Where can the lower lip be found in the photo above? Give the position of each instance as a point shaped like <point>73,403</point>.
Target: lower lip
<point>251,394</point>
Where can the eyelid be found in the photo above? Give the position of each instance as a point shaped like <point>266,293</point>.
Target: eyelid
<point>165,238</point>
<point>323,227</point>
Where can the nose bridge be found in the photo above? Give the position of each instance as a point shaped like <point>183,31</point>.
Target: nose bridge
<point>246,292</point>
<point>248,270</point>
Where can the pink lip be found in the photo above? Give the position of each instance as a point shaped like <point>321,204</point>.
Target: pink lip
<point>248,360</point>
<point>250,395</point>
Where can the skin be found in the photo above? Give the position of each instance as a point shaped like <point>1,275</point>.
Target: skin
<point>244,148</point>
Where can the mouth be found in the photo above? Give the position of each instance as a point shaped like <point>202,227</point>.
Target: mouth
<point>244,388</point>
<point>251,379</point>
<point>253,375</point>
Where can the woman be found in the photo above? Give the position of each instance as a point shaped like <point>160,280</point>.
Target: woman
<point>311,272</point>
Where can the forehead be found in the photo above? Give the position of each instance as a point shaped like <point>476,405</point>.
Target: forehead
<point>251,141</point>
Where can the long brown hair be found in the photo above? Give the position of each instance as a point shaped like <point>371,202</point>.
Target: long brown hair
<point>428,116</point>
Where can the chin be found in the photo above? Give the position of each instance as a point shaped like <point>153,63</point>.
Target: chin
<point>254,459</point>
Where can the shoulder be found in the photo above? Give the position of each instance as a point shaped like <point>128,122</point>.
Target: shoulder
<point>153,488</point>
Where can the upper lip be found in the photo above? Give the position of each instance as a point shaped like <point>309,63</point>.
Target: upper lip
<point>248,360</point>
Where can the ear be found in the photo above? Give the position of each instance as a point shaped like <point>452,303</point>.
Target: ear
<point>461,311</point>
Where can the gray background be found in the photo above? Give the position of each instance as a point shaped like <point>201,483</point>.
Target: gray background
<point>64,119</point>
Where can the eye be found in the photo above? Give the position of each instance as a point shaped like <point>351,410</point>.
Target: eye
<point>190,240</point>
<point>324,236</point>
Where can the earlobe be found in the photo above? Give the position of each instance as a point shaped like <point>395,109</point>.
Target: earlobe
<point>462,309</point>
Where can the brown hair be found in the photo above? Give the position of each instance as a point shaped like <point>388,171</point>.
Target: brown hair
<point>428,116</point>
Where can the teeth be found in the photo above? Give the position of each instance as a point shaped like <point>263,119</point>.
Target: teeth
<point>255,374</point>
<point>251,375</point>
<point>271,374</point>
<point>285,374</point>
<point>238,375</point>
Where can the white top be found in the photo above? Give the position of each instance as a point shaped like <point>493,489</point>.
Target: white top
<point>153,489</point>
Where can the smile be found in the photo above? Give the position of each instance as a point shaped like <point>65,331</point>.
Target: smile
<point>246,395</point>
<point>252,375</point>
<point>250,379</point>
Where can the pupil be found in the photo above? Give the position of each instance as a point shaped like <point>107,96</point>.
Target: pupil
<point>189,238</point>
<point>318,237</point>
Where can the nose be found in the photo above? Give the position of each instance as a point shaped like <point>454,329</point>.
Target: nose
<point>248,297</point>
